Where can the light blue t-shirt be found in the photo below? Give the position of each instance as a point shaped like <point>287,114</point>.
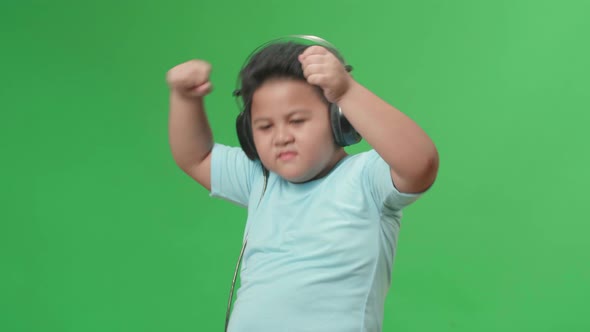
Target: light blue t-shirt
<point>319,255</point>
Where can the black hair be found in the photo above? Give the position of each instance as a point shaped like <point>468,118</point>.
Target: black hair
<point>279,60</point>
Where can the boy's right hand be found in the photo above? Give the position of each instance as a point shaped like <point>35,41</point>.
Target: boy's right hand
<point>190,79</point>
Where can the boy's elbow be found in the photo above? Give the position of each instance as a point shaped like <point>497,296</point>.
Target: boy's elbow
<point>431,169</point>
<point>418,178</point>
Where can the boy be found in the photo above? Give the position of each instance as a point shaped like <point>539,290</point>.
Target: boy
<point>322,225</point>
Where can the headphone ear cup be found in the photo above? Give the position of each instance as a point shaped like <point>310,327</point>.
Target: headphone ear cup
<point>244,131</point>
<point>344,133</point>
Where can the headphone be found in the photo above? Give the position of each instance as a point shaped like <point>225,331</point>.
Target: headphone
<point>343,132</point>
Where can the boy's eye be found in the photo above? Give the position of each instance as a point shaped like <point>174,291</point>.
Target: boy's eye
<point>264,127</point>
<point>297,121</point>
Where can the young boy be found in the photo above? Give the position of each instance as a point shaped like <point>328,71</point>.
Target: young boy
<point>322,225</point>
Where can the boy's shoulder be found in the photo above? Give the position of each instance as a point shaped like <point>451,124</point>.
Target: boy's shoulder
<point>360,160</point>
<point>358,165</point>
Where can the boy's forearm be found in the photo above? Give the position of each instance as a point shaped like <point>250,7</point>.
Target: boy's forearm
<point>190,136</point>
<point>405,147</point>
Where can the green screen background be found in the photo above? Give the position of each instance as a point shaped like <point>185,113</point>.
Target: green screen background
<point>100,231</point>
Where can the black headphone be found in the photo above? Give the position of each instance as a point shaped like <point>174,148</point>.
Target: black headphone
<point>343,132</point>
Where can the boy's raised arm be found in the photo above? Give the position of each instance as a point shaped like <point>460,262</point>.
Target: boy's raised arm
<point>405,147</point>
<point>190,136</point>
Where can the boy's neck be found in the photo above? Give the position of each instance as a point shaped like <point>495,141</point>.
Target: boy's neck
<point>338,156</point>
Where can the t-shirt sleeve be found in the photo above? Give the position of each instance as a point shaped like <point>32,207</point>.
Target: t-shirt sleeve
<point>377,177</point>
<point>232,174</point>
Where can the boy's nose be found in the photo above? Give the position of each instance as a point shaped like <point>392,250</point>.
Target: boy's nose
<point>283,136</point>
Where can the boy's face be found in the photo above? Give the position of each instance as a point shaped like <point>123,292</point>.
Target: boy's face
<point>291,130</point>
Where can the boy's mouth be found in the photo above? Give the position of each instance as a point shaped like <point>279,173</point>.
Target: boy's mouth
<point>286,155</point>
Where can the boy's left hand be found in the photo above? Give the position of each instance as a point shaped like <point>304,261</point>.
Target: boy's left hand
<point>322,68</point>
